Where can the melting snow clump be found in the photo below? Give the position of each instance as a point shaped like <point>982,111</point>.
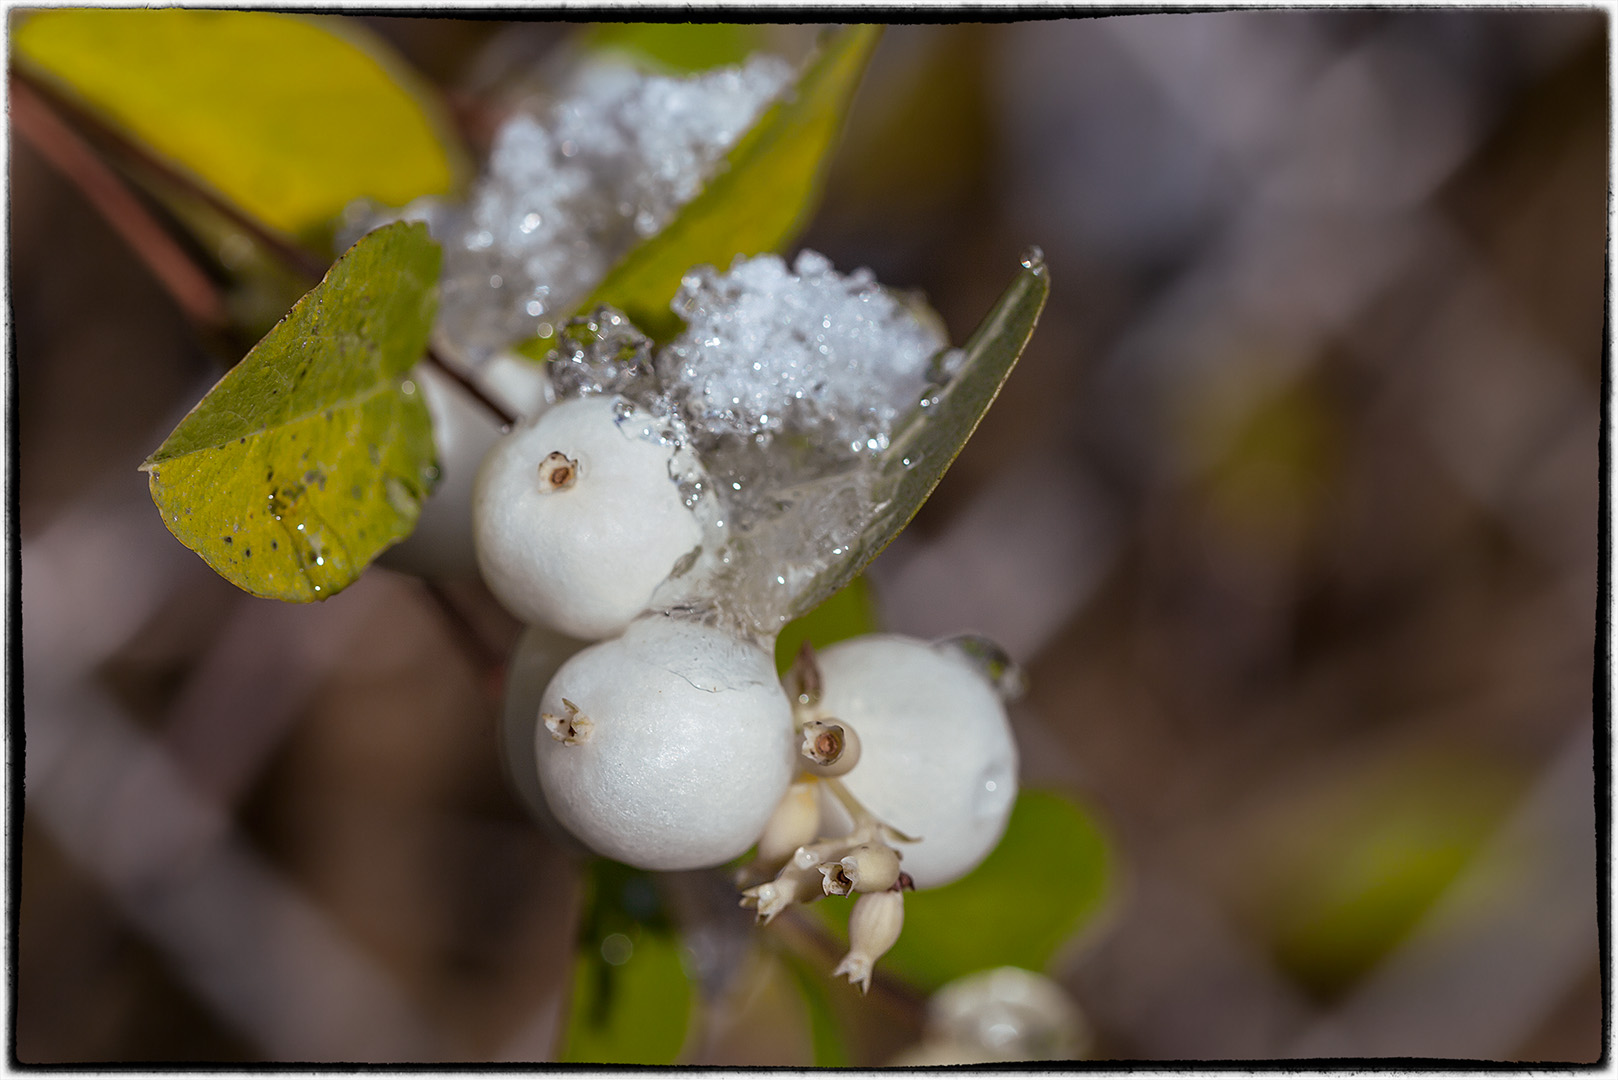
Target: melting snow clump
<point>807,351</point>
<point>570,191</point>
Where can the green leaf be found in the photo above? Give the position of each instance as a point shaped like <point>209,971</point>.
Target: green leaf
<point>756,203</point>
<point>314,453</point>
<point>849,612</point>
<point>1045,879</point>
<point>825,1032</point>
<point>289,117</point>
<point>632,1000</point>
<point>927,441</point>
<point>676,48</point>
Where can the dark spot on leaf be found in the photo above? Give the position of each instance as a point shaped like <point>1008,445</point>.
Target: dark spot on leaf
<point>274,546</point>
<point>248,552</point>
<point>227,540</point>
<point>244,439</point>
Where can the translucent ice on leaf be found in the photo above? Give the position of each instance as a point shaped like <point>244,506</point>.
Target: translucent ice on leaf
<point>825,412</point>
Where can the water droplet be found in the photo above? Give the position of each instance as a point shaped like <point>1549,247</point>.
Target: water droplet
<point>995,789</point>
<point>1034,259</point>
<point>616,949</point>
<point>535,308</point>
<point>990,661</point>
<point>407,388</point>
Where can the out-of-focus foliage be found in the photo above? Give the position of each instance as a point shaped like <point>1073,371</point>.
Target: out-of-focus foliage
<point>757,202</point>
<point>290,118</point>
<point>632,1001</point>
<point>1049,874</point>
<point>314,453</point>
<point>676,48</point>
<point>1347,875</point>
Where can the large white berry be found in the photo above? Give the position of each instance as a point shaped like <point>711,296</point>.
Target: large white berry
<point>577,519</point>
<point>937,759</point>
<point>668,747</point>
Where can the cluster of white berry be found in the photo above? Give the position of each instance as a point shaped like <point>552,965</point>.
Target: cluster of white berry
<point>665,513</point>
<point>669,743</point>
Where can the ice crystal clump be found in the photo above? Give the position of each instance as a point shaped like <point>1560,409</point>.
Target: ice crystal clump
<point>788,383</point>
<point>570,190</point>
<point>808,352</point>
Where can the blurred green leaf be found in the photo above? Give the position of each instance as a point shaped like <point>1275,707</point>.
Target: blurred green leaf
<point>849,612</point>
<point>314,453</point>
<point>676,48</point>
<point>1047,877</point>
<point>1355,867</point>
<point>825,1032</point>
<point>632,1000</point>
<point>927,442</point>
<point>287,116</point>
<point>756,203</point>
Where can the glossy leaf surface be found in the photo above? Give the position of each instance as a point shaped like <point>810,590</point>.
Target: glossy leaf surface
<point>286,116</point>
<point>314,452</point>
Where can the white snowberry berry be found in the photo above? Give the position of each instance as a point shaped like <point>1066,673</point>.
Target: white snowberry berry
<point>463,432</point>
<point>667,748</point>
<point>937,759</point>
<point>578,520</point>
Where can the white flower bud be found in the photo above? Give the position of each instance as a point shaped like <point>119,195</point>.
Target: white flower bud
<point>868,868</point>
<point>795,822</point>
<point>873,927</point>
<point>830,747</point>
<point>792,886</point>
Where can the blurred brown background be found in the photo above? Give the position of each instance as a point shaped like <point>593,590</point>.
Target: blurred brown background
<point>1290,510</point>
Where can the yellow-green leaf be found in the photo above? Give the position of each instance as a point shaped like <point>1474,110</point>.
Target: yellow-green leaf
<point>1047,877</point>
<point>928,440</point>
<point>676,48</point>
<point>758,200</point>
<point>314,453</point>
<point>289,117</point>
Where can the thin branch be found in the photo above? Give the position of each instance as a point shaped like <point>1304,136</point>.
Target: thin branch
<point>33,99</point>
<point>192,289</point>
<point>495,408</point>
<point>484,657</point>
<point>294,256</point>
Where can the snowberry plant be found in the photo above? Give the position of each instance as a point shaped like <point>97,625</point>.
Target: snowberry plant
<point>586,373</point>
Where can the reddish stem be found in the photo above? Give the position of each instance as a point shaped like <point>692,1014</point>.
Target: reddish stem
<point>192,290</point>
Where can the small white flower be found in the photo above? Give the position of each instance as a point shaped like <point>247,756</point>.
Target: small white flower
<point>872,929</point>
